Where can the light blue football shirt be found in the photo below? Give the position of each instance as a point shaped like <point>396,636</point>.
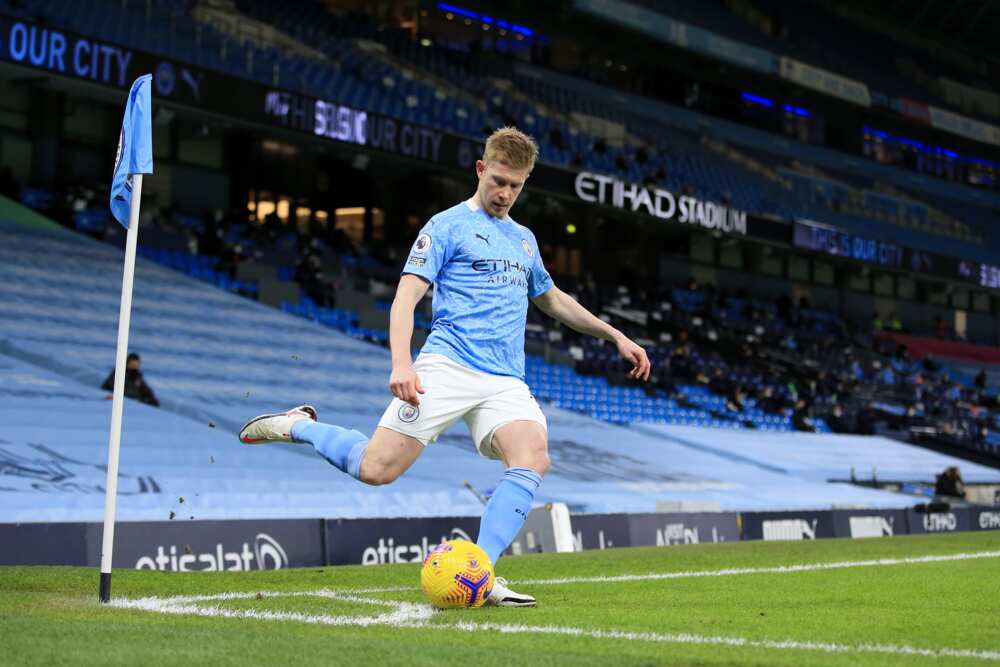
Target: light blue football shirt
<point>484,270</point>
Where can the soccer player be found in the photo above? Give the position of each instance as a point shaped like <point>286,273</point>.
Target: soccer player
<point>484,267</point>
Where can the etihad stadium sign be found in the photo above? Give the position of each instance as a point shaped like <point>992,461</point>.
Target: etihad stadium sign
<point>608,190</point>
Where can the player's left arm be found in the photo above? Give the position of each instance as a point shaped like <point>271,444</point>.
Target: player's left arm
<point>562,307</point>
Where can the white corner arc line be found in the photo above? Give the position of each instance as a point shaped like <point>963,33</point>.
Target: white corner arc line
<point>403,614</point>
<point>781,569</point>
<point>345,595</point>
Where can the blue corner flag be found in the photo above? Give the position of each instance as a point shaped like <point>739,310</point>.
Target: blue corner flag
<point>135,147</point>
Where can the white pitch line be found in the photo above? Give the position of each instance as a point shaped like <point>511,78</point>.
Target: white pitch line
<point>404,613</point>
<point>410,615</point>
<point>782,569</point>
<point>786,644</point>
<point>383,589</point>
<point>345,595</point>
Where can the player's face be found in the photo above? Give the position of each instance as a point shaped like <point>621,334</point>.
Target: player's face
<point>499,186</point>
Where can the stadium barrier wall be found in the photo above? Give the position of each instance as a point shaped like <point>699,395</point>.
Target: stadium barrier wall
<point>860,523</point>
<point>187,546</point>
<point>986,519</point>
<point>180,546</point>
<point>602,531</point>
<point>177,546</point>
<point>869,523</point>
<point>787,525</point>
<point>43,544</point>
<point>938,522</point>
<point>377,541</point>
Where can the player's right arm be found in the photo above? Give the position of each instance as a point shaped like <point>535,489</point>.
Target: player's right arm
<point>403,382</point>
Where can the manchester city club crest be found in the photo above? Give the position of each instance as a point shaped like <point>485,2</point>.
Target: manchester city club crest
<point>408,413</point>
<point>527,247</point>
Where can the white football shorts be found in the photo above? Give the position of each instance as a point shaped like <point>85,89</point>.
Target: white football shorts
<point>452,392</point>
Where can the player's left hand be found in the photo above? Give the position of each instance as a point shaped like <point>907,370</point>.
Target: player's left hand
<point>636,356</point>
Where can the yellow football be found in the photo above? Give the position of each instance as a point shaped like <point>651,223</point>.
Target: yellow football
<point>456,573</point>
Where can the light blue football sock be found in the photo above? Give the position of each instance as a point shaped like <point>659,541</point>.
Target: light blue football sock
<point>506,511</point>
<point>343,448</point>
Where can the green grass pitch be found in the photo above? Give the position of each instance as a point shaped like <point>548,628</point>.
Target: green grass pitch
<point>710,604</point>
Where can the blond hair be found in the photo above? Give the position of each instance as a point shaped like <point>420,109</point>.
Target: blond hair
<point>511,147</point>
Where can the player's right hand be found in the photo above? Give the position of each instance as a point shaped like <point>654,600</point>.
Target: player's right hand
<point>404,383</point>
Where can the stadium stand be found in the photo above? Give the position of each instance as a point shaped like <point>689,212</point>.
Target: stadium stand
<point>724,360</point>
<point>383,70</point>
<point>209,374</point>
<point>887,63</point>
<point>729,360</point>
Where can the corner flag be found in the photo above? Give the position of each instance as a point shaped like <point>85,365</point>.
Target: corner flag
<point>135,147</point>
<point>134,158</point>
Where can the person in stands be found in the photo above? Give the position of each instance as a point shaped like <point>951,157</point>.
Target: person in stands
<point>135,383</point>
<point>949,483</point>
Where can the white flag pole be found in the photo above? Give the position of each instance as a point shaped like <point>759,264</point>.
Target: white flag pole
<point>118,398</point>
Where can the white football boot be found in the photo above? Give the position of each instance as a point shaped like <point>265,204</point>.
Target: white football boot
<point>501,596</point>
<point>276,427</point>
